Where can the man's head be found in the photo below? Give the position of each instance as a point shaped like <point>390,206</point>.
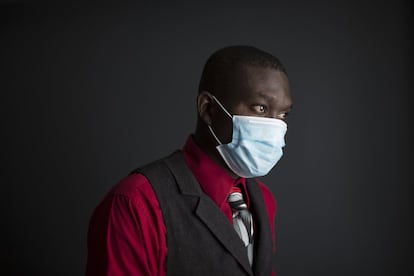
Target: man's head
<point>247,81</point>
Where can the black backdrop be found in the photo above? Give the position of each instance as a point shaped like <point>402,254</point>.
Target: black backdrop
<point>89,93</point>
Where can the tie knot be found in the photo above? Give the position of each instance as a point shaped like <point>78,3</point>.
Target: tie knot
<point>236,200</point>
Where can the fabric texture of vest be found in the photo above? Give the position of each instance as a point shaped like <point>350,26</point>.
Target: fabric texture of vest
<point>200,238</point>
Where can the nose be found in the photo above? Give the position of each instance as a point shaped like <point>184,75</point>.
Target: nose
<point>275,114</point>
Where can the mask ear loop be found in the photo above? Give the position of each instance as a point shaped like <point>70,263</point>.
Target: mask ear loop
<point>214,135</point>
<point>222,107</point>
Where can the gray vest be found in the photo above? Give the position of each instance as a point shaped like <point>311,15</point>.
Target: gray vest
<point>200,238</point>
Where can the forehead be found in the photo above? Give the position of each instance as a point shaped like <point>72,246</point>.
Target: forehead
<point>260,82</point>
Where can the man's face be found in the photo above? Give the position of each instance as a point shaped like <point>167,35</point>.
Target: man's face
<point>261,92</point>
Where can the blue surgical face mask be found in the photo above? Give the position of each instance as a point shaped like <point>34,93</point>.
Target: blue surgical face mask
<point>256,145</point>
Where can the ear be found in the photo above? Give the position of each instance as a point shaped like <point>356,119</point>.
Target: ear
<point>204,104</point>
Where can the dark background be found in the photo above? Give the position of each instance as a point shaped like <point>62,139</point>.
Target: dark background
<point>90,93</point>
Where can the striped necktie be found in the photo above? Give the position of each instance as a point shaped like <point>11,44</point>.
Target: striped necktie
<point>242,220</point>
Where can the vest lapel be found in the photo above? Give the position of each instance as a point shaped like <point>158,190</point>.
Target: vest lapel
<point>263,251</point>
<point>207,211</point>
<point>220,226</point>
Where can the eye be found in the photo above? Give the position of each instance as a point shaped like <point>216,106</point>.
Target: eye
<point>283,116</point>
<point>259,108</point>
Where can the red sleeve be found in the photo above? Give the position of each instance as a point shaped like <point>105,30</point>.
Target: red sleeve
<point>127,234</point>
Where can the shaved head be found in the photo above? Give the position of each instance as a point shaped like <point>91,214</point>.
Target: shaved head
<point>224,68</point>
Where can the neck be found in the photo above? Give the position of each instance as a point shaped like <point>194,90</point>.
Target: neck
<point>205,140</point>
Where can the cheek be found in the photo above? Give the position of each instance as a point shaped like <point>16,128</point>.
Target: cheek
<point>223,127</point>
<point>243,109</point>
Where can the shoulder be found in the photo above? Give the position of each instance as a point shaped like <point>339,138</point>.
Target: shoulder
<point>130,201</point>
<point>135,187</point>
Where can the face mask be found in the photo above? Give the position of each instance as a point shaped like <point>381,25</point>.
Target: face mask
<point>256,145</point>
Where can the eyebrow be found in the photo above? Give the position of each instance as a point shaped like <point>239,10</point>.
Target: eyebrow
<point>261,95</point>
<point>265,96</point>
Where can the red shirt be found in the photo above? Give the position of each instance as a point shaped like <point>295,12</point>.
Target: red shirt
<point>127,234</point>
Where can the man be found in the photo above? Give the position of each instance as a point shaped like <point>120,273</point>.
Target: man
<point>201,211</point>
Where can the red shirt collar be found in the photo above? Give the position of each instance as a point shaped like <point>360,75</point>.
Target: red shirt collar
<point>214,180</point>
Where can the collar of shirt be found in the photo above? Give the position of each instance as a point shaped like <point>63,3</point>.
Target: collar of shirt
<point>214,180</point>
